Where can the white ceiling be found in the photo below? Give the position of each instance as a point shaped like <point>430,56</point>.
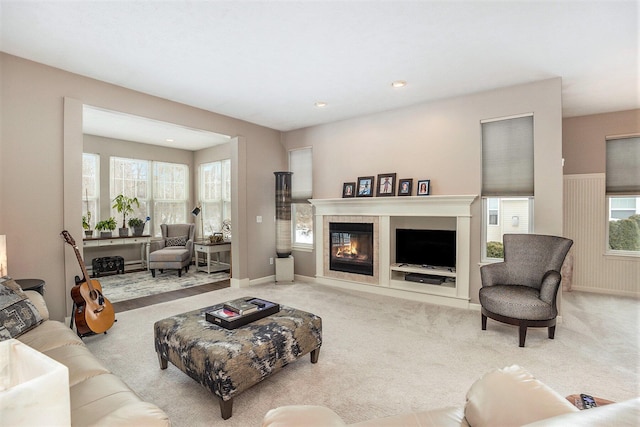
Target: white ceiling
<point>268,62</point>
<point>114,124</point>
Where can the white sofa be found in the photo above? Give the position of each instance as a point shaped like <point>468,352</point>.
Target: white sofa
<point>98,397</point>
<point>503,397</point>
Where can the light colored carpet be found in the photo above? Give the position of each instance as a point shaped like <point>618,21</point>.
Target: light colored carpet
<point>383,356</point>
<point>121,287</point>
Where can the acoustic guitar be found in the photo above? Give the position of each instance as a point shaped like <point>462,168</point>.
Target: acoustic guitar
<point>93,312</point>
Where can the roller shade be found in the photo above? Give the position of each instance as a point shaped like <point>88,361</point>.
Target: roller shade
<point>507,157</point>
<point>623,166</point>
<point>300,163</point>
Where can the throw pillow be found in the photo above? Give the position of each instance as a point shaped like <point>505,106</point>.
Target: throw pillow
<point>176,241</point>
<point>17,313</point>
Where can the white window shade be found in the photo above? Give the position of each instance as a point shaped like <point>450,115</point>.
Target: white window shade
<point>300,163</point>
<point>507,157</point>
<point>623,166</point>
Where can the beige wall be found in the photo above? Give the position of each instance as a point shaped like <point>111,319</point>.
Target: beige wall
<point>583,139</point>
<point>33,170</point>
<point>440,141</point>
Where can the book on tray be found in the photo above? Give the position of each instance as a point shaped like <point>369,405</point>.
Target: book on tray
<point>240,306</point>
<point>225,314</point>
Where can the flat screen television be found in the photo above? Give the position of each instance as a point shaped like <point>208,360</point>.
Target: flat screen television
<point>433,248</point>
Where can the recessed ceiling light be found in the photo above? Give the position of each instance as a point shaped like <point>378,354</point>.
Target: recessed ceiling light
<point>320,104</point>
<point>399,83</point>
<point>169,139</point>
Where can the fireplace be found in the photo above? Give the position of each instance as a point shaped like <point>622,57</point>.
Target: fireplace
<point>351,247</point>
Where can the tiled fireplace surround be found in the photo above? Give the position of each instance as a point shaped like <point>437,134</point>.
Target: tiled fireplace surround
<point>386,214</point>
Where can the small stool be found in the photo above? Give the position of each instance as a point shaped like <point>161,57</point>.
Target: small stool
<point>106,264</point>
<point>171,258</point>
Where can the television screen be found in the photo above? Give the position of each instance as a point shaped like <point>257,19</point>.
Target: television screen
<point>433,248</point>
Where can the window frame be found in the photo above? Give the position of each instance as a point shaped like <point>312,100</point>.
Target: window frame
<point>224,193</point>
<point>502,189</point>
<point>301,195</point>
<point>91,203</point>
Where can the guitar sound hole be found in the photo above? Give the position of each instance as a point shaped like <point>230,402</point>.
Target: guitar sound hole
<point>93,295</point>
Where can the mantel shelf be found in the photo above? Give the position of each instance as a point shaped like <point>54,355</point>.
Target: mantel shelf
<point>398,206</point>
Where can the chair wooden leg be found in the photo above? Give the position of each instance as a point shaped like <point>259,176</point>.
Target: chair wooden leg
<point>153,272</point>
<point>484,322</point>
<point>180,273</point>
<point>552,332</point>
<point>523,334</point>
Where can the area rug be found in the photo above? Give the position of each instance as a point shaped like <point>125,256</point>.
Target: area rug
<point>122,287</point>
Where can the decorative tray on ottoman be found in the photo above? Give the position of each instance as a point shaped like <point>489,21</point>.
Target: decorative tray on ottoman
<point>241,311</point>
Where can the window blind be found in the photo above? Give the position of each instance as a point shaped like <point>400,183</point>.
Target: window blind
<point>623,166</point>
<point>300,163</point>
<point>507,157</point>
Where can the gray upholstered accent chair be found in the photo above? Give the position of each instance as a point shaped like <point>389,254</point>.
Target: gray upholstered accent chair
<point>175,249</point>
<point>523,289</point>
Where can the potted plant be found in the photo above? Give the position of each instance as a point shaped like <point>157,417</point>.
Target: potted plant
<point>106,227</point>
<point>124,205</point>
<point>86,224</point>
<point>137,225</point>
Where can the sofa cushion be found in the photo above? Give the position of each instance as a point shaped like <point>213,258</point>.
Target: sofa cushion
<point>176,241</point>
<point>17,313</point>
<point>512,397</point>
<point>81,362</point>
<point>50,334</point>
<point>625,413</point>
<point>105,399</point>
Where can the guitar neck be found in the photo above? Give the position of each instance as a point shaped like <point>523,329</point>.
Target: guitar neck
<point>83,267</point>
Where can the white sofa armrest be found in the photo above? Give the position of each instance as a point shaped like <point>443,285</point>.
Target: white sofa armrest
<point>38,301</point>
<point>512,397</point>
<point>302,416</point>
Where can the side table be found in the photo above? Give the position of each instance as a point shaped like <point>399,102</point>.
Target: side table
<point>32,285</point>
<point>208,249</point>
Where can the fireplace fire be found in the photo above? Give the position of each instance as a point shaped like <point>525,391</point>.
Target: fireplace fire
<point>351,247</point>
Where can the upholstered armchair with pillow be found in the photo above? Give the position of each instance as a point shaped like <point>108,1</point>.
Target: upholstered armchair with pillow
<point>523,289</point>
<point>175,249</point>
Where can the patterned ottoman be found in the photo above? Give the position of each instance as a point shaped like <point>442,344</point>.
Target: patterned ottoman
<point>227,362</point>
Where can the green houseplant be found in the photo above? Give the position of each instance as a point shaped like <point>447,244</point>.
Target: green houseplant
<point>86,225</point>
<point>137,225</point>
<point>106,227</point>
<point>124,205</point>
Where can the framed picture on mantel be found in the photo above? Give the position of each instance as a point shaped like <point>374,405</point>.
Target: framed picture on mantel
<point>424,187</point>
<point>386,185</point>
<point>405,187</point>
<point>365,186</point>
<point>349,189</point>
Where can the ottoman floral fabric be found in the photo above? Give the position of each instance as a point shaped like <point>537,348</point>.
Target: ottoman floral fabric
<point>228,362</point>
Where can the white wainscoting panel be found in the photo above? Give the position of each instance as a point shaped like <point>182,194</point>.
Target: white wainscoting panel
<point>585,221</point>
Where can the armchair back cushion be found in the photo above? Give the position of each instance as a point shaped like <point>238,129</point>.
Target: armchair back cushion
<point>527,257</point>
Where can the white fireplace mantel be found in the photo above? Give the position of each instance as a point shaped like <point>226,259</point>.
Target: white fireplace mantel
<point>387,211</point>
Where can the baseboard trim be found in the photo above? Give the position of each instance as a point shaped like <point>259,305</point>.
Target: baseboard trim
<point>605,291</point>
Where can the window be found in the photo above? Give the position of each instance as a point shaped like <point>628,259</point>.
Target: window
<point>162,189</point>
<point>131,178</point>
<point>507,181</point>
<point>300,163</point>
<point>91,188</point>
<point>170,193</point>
<point>623,195</point>
<point>493,210</point>
<point>215,195</point>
